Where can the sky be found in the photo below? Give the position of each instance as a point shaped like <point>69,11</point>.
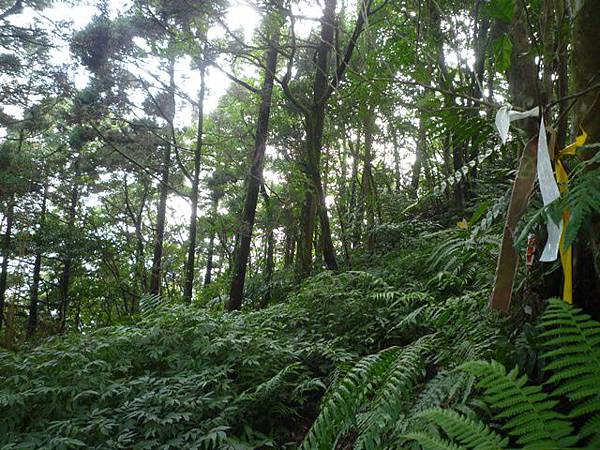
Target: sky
<point>240,15</point>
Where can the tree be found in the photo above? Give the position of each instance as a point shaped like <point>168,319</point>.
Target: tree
<point>586,70</point>
<point>313,112</point>
<point>254,180</point>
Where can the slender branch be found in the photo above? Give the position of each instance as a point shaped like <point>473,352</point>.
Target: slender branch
<point>285,81</point>
<point>358,29</point>
<point>575,95</point>
<point>14,9</point>
<point>136,163</point>
<point>236,79</point>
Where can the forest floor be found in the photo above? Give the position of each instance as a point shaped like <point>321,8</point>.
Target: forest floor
<point>198,377</point>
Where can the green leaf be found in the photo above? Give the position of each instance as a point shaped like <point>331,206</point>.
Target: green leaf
<point>501,9</point>
<point>502,52</point>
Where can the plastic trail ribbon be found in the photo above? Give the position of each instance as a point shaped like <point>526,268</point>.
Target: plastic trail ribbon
<point>506,115</point>
<point>550,193</point>
<point>566,254</point>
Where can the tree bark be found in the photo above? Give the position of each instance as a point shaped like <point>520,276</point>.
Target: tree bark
<point>37,266</point>
<point>155,276</point>
<point>65,279</point>
<point>355,204</point>
<point>5,254</point>
<point>314,124</point>
<point>368,182</point>
<point>522,77</point>
<point>305,240</point>
<point>210,251</point>
<point>586,70</point>
<point>135,214</point>
<point>236,292</point>
<point>190,265</point>
<point>270,250</point>
<point>419,154</point>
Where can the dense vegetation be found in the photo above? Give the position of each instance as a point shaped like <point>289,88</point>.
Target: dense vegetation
<point>298,224</point>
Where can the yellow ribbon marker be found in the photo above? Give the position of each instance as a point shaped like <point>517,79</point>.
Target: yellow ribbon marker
<point>562,178</point>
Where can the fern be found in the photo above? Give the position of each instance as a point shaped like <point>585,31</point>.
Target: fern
<point>572,341</point>
<point>429,442</point>
<point>395,390</point>
<point>150,304</point>
<point>446,388</point>
<point>386,377</point>
<point>582,201</point>
<point>345,397</point>
<point>530,413</point>
<point>470,433</point>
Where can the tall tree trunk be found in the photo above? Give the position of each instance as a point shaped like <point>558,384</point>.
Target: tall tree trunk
<point>190,265</point>
<point>307,227</point>
<point>562,24</point>
<point>314,123</point>
<point>270,251</point>
<point>135,214</point>
<point>314,149</point>
<point>397,168</point>
<point>586,70</point>
<point>10,208</point>
<point>368,182</point>
<point>290,243</point>
<point>37,266</point>
<point>65,278</point>
<point>355,204</point>
<point>210,251</point>
<point>343,200</point>
<point>236,292</point>
<point>161,213</point>
<point>419,154</point>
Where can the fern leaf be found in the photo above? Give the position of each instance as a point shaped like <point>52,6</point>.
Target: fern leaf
<point>345,397</point>
<point>582,200</point>
<point>470,433</point>
<point>429,442</point>
<point>534,421</point>
<point>571,339</point>
<point>398,384</point>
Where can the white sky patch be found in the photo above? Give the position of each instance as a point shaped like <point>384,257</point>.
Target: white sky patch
<point>240,17</point>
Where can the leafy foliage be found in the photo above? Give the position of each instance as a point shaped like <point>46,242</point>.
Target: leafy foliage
<point>469,433</point>
<point>524,410</point>
<point>582,200</point>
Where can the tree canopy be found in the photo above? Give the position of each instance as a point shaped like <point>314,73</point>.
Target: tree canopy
<point>319,224</point>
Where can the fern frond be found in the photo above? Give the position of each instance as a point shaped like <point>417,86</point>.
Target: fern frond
<point>429,442</point>
<point>582,200</point>
<point>385,409</point>
<point>572,342</point>
<point>529,412</point>
<point>445,388</point>
<point>470,433</point>
<point>150,304</point>
<point>590,431</point>
<point>342,402</point>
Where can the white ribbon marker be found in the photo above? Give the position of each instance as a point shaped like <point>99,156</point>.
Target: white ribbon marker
<point>550,193</point>
<point>506,115</point>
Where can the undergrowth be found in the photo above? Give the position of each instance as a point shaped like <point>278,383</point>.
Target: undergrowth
<point>376,357</point>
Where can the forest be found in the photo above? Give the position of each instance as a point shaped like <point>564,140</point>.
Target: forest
<point>300,224</point>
